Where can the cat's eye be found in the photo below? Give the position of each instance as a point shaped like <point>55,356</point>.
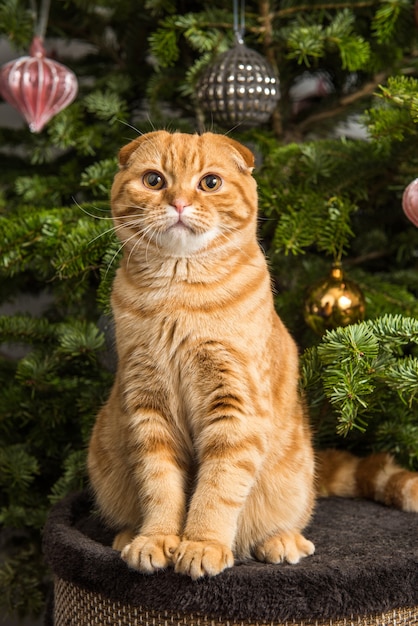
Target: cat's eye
<point>211,182</point>
<point>153,180</point>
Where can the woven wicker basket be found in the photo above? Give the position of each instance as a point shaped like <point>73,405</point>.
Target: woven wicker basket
<point>74,605</point>
<point>93,586</point>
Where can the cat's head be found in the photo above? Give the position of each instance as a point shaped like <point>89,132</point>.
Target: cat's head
<point>179,194</point>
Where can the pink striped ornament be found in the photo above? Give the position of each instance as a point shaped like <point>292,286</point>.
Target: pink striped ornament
<point>410,202</point>
<point>37,87</point>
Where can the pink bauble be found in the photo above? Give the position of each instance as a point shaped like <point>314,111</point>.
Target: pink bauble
<point>37,87</point>
<point>410,202</point>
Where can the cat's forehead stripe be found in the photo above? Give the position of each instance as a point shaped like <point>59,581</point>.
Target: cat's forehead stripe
<point>187,158</point>
<point>191,153</point>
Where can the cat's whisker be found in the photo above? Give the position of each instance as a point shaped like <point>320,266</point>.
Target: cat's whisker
<point>114,257</point>
<point>116,254</point>
<point>148,245</point>
<point>142,207</point>
<point>105,232</point>
<point>109,265</point>
<point>151,122</point>
<point>140,240</point>
<point>96,217</point>
<point>151,233</point>
<point>262,218</point>
<point>114,229</point>
<point>135,221</point>
<point>131,252</point>
<point>231,130</point>
<point>159,232</point>
<point>125,123</point>
<point>130,216</point>
<point>156,232</point>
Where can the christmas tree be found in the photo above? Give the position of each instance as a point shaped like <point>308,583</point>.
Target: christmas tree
<point>334,159</point>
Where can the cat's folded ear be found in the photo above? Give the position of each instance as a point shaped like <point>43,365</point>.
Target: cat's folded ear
<point>247,160</point>
<point>126,151</point>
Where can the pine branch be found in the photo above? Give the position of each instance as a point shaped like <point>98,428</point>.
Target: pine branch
<point>398,329</point>
<point>98,176</point>
<point>403,378</point>
<point>18,470</point>
<point>17,22</point>
<point>107,105</point>
<point>24,329</point>
<point>400,117</point>
<point>386,18</point>
<point>79,338</point>
<point>325,6</point>
<point>364,371</point>
<point>82,250</point>
<point>73,477</point>
<point>22,579</point>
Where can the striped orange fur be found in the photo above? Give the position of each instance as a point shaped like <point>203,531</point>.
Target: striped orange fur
<point>203,451</point>
<point>376,477</point>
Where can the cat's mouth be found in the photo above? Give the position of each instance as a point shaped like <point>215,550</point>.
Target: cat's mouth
<point>185,234</point>
<point>180,225</point>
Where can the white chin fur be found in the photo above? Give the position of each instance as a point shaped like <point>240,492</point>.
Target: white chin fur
<point>182,242</point>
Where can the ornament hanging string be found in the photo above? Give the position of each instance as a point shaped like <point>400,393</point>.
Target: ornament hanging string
<point>239,20</point>
<point>41,19</point>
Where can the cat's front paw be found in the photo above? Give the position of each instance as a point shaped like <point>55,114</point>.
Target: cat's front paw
<point>290,547</point>
<point>148,554</point>
<point>202,558</point>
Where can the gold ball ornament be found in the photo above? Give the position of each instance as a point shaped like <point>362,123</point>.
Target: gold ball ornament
<point>334,301</point>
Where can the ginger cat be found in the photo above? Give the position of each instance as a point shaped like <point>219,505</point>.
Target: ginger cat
<point>203,451</point>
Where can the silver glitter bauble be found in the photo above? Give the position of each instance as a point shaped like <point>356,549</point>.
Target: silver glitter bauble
<point>239,88</point>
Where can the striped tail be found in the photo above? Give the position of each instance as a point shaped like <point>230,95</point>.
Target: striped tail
<point>375,477</point>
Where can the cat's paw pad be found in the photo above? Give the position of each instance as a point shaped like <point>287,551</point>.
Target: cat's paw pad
<point>122,539</point>
<point>148,554</point>
<point>290,547</point>
<point>202,558</point>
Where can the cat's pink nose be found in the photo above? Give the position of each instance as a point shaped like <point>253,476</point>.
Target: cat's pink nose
<point>180,205</point>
